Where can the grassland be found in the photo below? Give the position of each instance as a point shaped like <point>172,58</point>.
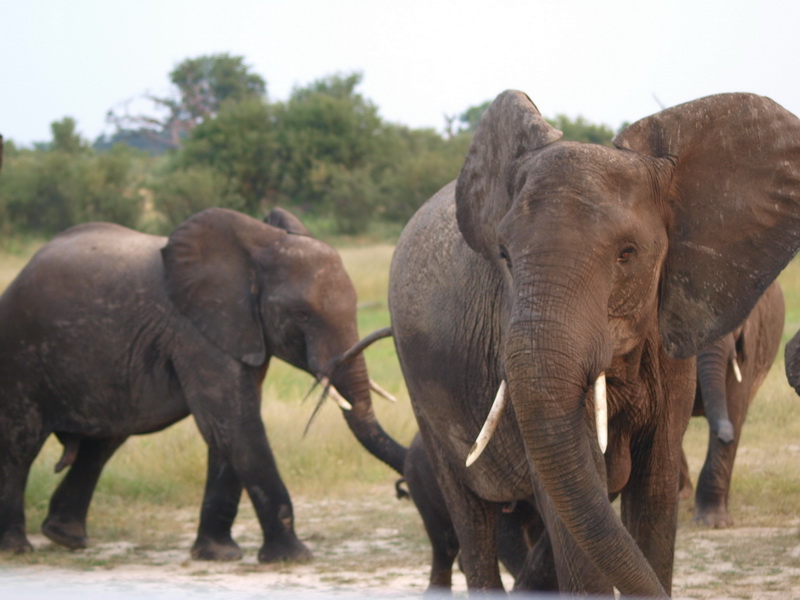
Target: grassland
<point>150,492</point>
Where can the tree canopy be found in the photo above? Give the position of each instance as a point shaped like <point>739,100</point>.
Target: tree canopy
<point>217,140</point>
<point>201,86</point>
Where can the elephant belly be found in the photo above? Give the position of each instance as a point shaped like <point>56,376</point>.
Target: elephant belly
<point>106,403</point>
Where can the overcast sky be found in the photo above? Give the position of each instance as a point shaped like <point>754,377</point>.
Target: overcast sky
<point>608,60</point>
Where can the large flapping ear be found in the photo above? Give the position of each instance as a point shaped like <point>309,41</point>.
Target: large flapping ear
<point>733,206</point>
<point>211,278</point>
<point>283,219</point>
<point>511,127</point>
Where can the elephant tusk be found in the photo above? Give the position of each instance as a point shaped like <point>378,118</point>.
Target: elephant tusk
<point>335,395</point>
<point>381,392</point>
<point>601,411</point>
<point>489,427</point>
<point>736,370</point>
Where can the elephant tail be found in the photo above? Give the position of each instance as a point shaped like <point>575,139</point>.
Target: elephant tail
<point>401,492</point>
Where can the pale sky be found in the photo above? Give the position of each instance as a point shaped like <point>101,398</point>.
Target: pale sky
<point>609,61</point>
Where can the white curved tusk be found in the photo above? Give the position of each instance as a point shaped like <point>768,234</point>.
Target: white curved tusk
<point>736,370</point>
<point>489,427</point>
<point>601,411</point>
<point>381,392</point>
<point>335,395</point>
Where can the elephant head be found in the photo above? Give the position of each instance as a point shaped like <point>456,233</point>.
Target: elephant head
<point>260,289</point>
<point>673,234</point>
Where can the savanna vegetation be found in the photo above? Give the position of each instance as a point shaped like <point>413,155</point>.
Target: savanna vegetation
<point>149,495</point>
<point>326,154</point>
<point>219,140</point>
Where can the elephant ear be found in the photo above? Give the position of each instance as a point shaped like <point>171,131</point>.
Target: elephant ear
<point>510,128</point>
<point>733,209</point>
<point>285,220</point>
<point>211,277</point>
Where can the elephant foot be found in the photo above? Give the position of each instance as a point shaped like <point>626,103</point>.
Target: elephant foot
<point>71,534</point>
<point>16,542</point>
<point>222,550</point>
<point>716,517</point>
<point>292,550</point>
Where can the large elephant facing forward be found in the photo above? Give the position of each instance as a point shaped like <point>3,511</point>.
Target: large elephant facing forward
<point>729,373</point>
<point>552,271</point>
<point>108,333</point>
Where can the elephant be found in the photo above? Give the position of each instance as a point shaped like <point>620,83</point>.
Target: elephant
<point>729,373</point>
<point>108,333</point>
<point>519,526</point>
<point>791,355</point>
<point>573,284</point>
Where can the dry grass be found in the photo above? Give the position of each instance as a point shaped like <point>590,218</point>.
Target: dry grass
<point>149,495</point>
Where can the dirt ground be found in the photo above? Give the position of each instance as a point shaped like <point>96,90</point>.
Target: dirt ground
<point>373,547</point>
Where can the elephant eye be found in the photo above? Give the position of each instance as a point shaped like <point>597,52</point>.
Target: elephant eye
<point>504,257</point>
<point>626,254</point>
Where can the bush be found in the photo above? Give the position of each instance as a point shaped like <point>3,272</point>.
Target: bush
<point>180,193</point>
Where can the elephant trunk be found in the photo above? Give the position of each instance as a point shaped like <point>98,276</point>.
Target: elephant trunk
<point>712,368</point>
<point>549,367</point>
<point>352,381</point>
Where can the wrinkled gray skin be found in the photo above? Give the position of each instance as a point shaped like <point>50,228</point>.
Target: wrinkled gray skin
<point>551,262</point>
<point>519,527</point>
<point>108,333</point>
<point>724,401</point>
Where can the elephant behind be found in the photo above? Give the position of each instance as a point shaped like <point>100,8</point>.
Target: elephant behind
<point>573,283</point>
<point>729,373</point>
<point>108,333</point>
<point>519,527</point>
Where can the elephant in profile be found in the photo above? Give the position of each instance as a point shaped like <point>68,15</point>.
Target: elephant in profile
<point>729,373</point>
<point>108,333</point>
<point>573,284</point>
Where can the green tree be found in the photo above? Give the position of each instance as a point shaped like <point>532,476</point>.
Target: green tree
<point>241,145</point>
<point>201,86</point>
<point>66,138</point>
<point>64,183</point>
<point>180,193</point>
<point>425,163</point>
<point>326,122</point>
<point>581,130</point>
<point>470,117</point>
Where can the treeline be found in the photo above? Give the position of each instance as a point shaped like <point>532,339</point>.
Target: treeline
<point>219,141</point>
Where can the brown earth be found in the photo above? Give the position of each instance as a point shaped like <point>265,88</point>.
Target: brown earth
<point>370,546</point>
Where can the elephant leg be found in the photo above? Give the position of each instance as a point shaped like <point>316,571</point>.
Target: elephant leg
<point>444,548</point>
<point>66,518</point>
<point>220,505</point>
<point>649,509</point>
<point>276,515</point>
<point>525,549</point>
<point>252,465</point>
<point>714,482</point>
<point>15,464</point>
<point>475,523</point>
<point>685,487</point>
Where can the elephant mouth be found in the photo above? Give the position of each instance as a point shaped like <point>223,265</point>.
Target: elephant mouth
<point>501,401</point>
